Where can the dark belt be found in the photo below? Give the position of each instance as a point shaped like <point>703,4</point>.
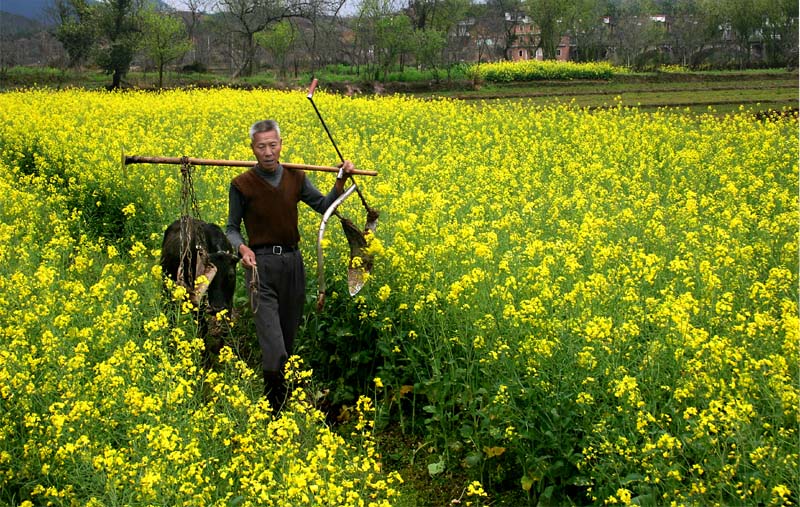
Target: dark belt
<point>274,249</point>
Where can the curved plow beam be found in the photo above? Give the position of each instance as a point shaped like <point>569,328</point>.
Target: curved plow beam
<point>320,256</point>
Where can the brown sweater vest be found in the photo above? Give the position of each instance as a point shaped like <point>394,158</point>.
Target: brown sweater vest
<point>270,213</point>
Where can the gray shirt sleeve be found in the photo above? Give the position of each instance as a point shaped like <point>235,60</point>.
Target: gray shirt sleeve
<point>233,228</point>
<point>310,195</point>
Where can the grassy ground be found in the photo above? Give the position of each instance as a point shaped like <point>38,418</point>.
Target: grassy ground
<point>756,90</point>
<point>697,92</point>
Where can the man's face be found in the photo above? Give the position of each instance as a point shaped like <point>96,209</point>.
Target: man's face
<point>267,149</point>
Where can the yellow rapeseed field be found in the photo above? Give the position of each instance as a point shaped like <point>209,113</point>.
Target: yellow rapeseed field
<point>591,306</point>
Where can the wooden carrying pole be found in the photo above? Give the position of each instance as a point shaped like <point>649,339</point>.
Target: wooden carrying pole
<point>134,159</point>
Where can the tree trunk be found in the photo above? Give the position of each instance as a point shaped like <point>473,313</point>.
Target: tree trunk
<point>250,56</point>
<point>116,79</point>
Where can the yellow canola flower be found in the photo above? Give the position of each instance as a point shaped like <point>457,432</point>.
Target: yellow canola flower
<point>129,210</point>
<point>384,292</point>
<point>621,252</point>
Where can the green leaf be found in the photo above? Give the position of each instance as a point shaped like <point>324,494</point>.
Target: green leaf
<point>526,482</point>
<point>631,478</point>
<point>436,468</point>
<point>473,459</point>
<point>648,499</point>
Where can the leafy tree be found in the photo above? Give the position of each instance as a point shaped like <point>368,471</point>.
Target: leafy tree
<point>439,15</point>
<point>744,19</point>
<point>278,41</point>
<point>428,46</point>
<point>587,29</point>
<point>393,37</point>
<point>780,34</point>
<point>690,31</point>
<point>366,43</point>
<point>165,39</point>
<point>633,32</point>
<point>550,17</point>
<point>75,29</point>
<point>383,36</point>
<point>432,21</point>
<point>119,30</point>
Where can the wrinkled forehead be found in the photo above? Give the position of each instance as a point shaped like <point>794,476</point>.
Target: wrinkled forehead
<point>268,137</point>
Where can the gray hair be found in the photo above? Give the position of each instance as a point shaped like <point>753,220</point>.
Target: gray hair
<point>264,126</point>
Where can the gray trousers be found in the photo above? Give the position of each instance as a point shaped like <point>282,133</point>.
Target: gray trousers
<point>278,306</point>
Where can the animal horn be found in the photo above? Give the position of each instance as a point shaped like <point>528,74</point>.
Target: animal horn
<point>200,289</point>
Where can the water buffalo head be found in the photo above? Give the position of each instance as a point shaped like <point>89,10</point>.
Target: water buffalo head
<point>209,253</point>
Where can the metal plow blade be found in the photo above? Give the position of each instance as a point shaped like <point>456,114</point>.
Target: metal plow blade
<point>360,265</point>
<point>361,261</point>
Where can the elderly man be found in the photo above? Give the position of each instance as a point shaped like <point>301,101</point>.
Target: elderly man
<point>265,198</point>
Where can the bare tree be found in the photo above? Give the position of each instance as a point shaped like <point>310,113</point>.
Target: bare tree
<point>632,31</point>
<point>447,21</point>
<point>484,32</point>
<point>196,10</point>
<point>242,19</point>
<point>321,39</point>
<point>780,34</point>
<point>743,19</point>
<point>503,17</point>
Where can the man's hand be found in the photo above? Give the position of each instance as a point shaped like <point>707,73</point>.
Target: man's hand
<point>248,256</point>
<point>347,170</point>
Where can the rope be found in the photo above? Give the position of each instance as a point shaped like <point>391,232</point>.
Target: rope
<point>252,290</point>
<point>189,206</point>
<point>189,231</point>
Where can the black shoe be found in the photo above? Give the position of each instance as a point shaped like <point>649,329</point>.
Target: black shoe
<point>275,390</point>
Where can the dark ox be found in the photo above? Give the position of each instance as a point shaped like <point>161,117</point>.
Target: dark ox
<point>210,253</point>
